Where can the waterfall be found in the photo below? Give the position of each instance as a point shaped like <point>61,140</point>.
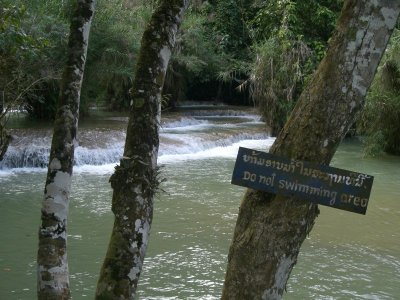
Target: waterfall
<point>189,136</point>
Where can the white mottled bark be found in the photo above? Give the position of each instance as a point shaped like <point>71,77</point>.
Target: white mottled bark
<point>270,229</point>
<point>53,275</point>
<point>135,179</point>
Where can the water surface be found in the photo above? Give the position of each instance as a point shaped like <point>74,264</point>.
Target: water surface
<point>347,256</point>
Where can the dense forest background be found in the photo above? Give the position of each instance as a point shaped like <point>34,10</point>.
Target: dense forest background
<point>233,51</point>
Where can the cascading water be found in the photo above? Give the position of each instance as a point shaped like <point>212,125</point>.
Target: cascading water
<point>345,257</point>
<point>195,134</point>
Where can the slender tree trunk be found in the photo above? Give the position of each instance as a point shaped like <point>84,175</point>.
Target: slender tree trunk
<point>5,140</point>
<point>270,229</point>
<point>53,276</point>
<point>135,180</point>
<point>5,137</point>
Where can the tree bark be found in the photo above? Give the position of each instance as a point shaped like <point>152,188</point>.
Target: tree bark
<point>53,276</point>
<point>135,180</point>
<point>271,228</point>
<point>5,139</point>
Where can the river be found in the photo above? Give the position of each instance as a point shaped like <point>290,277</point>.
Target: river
<point>346,256</point>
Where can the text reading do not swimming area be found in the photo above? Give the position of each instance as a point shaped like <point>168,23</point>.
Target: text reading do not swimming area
<point>321,184</point>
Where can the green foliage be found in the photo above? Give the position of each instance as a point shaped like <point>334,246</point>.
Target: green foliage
<point>291,38</point>
<point>196,50</point>
<point>197,58</point>
<point>268,18</point>
<point>380,119</point>
<point>113,47</point>
<point>312,21</point>
<point>32,48</point>
<point>222,42</point>
<point>220,45</point>
<point>14,40</point>
<point>31,53</point>
<point>230,25</point>
<point>277,78</point>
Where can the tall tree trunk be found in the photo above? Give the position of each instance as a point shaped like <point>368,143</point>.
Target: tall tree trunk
<point>5,138</point>
<point>53,276</point>
<point>135,180</point>
<point>271,228</point>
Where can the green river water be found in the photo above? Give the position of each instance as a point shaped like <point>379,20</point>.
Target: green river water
<point>346,256</point>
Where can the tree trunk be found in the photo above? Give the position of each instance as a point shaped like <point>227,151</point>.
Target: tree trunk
<point>135,180</point>
<point>5,139</point>
<point>271,228</point>
<point>53,276</point>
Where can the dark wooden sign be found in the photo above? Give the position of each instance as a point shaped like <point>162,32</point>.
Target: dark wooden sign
<point>321,184</point>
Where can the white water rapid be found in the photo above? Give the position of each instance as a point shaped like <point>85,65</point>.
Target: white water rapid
<point>346,256</point>
<point>201,134</point>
